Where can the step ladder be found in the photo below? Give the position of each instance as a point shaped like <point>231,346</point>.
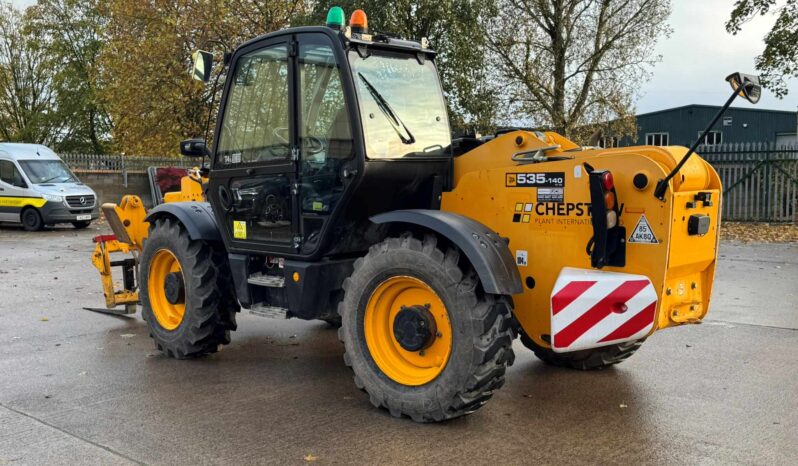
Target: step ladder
<point>265,310</point>
<point>271,281</point>
<point>270,312</point>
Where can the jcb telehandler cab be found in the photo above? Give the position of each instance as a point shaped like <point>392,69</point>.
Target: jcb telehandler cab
<point>335,192</point>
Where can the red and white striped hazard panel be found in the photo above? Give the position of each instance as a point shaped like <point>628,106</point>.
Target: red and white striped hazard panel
<point>591,309</point>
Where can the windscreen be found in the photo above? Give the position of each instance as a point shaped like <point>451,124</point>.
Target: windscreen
<point>401,106</point>
<point>47,171</point>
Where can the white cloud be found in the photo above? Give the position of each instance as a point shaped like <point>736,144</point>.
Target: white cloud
<point>700,54</point>
<point>22,3</point>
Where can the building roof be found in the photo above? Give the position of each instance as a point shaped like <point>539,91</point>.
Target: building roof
<point>717,107</point>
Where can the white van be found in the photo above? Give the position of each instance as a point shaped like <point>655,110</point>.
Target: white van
<point>37,189</point>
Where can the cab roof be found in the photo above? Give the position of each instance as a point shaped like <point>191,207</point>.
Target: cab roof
<point>376,39</point>
<point>23,151</point>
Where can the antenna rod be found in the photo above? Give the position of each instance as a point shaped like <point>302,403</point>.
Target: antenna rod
<point>662,185</point>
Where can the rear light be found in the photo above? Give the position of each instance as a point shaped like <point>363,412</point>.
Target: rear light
<point>609,200</point>
<point>612,219</point>
<point>607,181</point>
<point>607,247</point>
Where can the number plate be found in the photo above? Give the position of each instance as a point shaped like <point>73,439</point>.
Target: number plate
<point>83,217</point>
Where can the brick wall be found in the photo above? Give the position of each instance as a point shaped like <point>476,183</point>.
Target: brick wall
<point>110,185</point>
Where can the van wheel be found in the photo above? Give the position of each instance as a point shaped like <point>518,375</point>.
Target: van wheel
<point>32,220</point>
<point>82,224</point>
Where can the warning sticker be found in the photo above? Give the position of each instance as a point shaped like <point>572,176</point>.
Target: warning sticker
<point>551,194</point>
<point>643,233</point>
<point>239,229</point>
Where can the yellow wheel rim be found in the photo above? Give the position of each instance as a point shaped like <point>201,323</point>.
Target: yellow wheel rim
<point>411,368</point>
<point>168,314</point>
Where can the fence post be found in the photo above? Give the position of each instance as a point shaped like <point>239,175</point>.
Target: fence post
<point>124,172</point>
<point>769,178</point>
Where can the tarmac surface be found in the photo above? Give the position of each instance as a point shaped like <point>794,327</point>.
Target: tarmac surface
<point>80,387</point>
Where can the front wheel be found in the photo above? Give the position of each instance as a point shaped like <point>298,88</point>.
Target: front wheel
<point>422,337</point>
<point>32,220</point>
<point>187,294</point>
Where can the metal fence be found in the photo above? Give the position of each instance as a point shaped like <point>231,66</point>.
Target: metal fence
<point>760,180</point>
<point>123,163</point>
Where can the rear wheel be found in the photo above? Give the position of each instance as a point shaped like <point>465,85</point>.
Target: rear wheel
<point>584,360</point>
<point>32,220</point>
<point>81,224</point>
<point>422,337</point>
<point>186,292</point>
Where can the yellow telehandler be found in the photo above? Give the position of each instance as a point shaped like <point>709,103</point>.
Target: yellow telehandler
<point>336,192</point>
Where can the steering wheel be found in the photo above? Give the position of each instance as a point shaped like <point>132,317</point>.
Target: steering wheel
<point>314,145</point>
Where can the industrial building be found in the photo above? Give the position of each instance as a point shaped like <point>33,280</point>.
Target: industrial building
<point>681,126</point>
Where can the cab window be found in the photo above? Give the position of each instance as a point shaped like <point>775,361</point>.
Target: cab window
<point>10,175</point>
<point>401,106</point>
<point>255,123</point>
<point>325,131</point>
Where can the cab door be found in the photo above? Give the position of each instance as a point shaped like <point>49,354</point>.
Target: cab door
<point>326,143</point>
<point>253,184</point>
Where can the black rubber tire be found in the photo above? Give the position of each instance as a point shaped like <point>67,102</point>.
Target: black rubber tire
<point>81,225</point>
<point>584,360</point>
<point>31,220</point>
<point>210,300</point>
<point>481,324</point>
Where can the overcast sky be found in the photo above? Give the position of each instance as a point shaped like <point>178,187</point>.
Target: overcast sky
<point>696,58</point>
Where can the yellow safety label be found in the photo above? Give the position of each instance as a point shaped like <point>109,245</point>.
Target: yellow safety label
<point>239,229</point>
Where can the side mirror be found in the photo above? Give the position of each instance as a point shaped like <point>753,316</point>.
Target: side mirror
<point>203,64</point>
<point>194,148</point>
<point>746,85</point>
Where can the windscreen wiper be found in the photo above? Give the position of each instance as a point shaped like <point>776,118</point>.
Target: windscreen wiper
<point>404,134</point>
<point>50,179</point>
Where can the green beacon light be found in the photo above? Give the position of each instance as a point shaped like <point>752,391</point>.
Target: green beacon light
<point>335,18</point>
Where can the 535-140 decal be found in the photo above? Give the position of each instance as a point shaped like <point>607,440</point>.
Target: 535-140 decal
<point>535,180</point>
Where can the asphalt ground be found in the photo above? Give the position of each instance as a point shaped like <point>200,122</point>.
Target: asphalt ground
<point>78,387</point>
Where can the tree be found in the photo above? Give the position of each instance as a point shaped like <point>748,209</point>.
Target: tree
<point>27,111</point>
<point>70,33</point>
<point>570,64</point>
<point>779,61</point>
<point>145,63</point>
<point>453,31</point>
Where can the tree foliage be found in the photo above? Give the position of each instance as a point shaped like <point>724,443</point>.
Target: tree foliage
<point>147,55</point>
<point>112,75</point>
<point>70,32</point>
<point>779,61</point>
<point>567,64</point>
<point>26,91</point>
<point>453,31</point>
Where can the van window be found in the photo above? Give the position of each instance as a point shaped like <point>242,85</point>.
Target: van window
<point>47,171</point>
<point>10,175</point>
